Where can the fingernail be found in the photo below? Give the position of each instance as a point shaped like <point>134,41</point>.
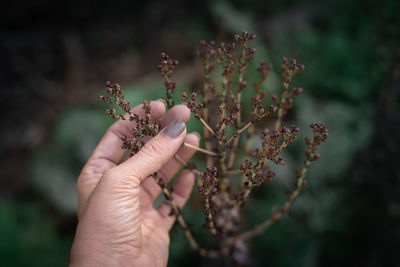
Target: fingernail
<point>197,134</point>
<point>174,129</point>
<point>163,101</point>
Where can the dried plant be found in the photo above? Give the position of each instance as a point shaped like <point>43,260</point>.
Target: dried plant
<point>222,195</point>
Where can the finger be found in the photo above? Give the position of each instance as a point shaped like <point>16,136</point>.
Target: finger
<point>176,112</point>
<point>181,192</point>
<point>153,155</point>
<point>108,152</point>
<point>96,167</point>
<point>179,111</point>
<point>168,171</point>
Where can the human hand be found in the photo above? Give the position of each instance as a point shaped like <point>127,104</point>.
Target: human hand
<point>118,225</point>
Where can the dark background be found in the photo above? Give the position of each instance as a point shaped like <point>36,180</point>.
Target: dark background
<point>56,56</point>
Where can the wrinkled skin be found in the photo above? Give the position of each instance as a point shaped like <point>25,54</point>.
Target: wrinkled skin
<point>118,225</point>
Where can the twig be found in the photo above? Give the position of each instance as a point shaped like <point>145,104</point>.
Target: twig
<point>184,163</point>
<point>207,135</point>
<point>177,212</point>
<point>239,132</point>
<point>233,172</point>
<point>277,215</point>
<point>207,126</point>
<point>210,218</point>
<point>205,112</point>
<point>245,127</point>
<point>232,156</point>
<point>200,149</point>
<point>223,185</point>
<point>278,121</point>
<point>231,160</point>
<point>247,147</point>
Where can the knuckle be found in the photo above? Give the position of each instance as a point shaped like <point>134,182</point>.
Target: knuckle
<point>127,182</point>
<point>152,149</point>
<point>115,176</point>
<point>109,174</point>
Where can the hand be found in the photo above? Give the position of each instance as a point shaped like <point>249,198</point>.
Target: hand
<point>118,225</point>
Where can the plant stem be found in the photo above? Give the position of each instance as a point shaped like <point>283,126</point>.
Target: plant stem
<point>232,155</point>
<point>207,126</point>
<point>200,149</point>
<point>210,218</point>
<point>169,96</point>
<point>206,111</point>
<point>233,172</point>
<point>276,216</point>
<point>281,110</point>
<point>249,140</point>
<point>178,158</point>
<point>223,185</point>
<point>177,212</point>
<point>239,132</point>
<point>278,121</point>
<point>182,223</point>
<point>250,185</point>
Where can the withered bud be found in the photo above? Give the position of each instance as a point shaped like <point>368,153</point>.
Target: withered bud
<point>184,96</point>
<point>242,85</point>
<point>273,109</point>
<point>222,107</point>
<point>297,91</point>
<point>275,99</point>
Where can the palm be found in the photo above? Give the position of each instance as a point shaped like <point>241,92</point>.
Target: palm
<point>155,233</point>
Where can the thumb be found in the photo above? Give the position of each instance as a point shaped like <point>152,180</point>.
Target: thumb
<point>114,203</point>
<point>153,155</point>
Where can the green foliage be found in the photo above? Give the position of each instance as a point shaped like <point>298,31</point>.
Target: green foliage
<point>338,46</point>
<point>29,236</point>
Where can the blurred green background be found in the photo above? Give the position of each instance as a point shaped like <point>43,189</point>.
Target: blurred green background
<point>56,57</point>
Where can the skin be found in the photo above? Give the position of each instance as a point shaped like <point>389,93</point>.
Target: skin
<point>118,225</point>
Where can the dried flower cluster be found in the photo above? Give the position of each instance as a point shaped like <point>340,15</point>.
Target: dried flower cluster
<point>222,193</point>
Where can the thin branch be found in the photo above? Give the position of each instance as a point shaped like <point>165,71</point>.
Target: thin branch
<point>239,132</point>
<point>177,212</point>
<point>231,160</point>
<point>207,135</point>
<point>247,147</point>
<point>245,127</point>
<point>207,126</point>
<point>223,185</point>
<point>277,215</point>
<point>210,217</point>
<point>184,163</point>
<point>233,172</point>
<point>249,140</point>
<point>206,101</point>
<point>278,121</point>
<point>232,156</point>
<point>239,116</point>
<point>201,149</point>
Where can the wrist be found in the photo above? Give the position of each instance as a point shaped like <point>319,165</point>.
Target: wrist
<point>82,257</point>
<point>89,251</point>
